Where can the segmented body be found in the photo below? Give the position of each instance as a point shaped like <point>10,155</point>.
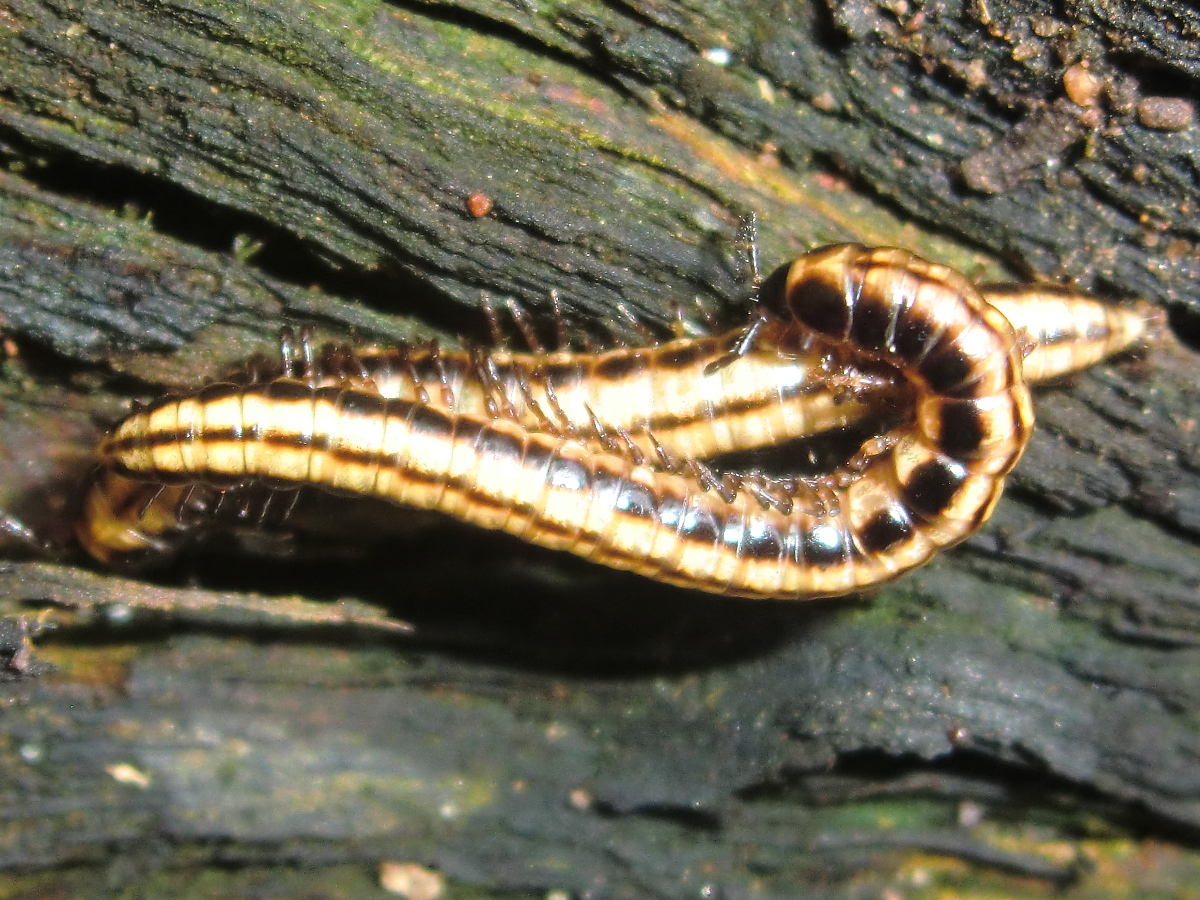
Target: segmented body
<point>493,451</point>
<point>698,397</point>
<point>702,397</point>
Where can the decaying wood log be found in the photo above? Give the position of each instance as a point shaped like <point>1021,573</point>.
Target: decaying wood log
<point>184,177</point>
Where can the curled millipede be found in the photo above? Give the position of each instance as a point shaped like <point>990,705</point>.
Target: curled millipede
<point>703,397</point>
<point>509,441</point>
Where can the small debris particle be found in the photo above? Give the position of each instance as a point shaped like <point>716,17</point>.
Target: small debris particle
<point>1025,50</point>
<point>117,613</point>
<point>1045,26</point>
<point>16,645</point>
<point>1069,178</point>
<point>1092,117</point>
<point>831,182</point>
<point>479,205</point>
<point>557,895</point>
<point>1081,85</point>
<point>970,814</point>
<point>1121,94</point>
<point>959,735</point>
<point>1034,143</point>
<point>125,773</point>
<point>937,45</point>
<point>1177,250</point>
<point>718,56</point>
<point>580,799</point>
<point>411,881</point>
<point>824,101</point>
<point>975,74</point>
<point>1166,113</point>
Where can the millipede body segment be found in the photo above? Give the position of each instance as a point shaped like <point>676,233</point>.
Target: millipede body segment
<point>524,443</point>
<point>702,398</point>
<point>698,397</point>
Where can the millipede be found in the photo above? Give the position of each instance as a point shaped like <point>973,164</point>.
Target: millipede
<point>598,454</point>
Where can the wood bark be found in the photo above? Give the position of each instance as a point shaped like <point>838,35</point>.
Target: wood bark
<point>184,177</point>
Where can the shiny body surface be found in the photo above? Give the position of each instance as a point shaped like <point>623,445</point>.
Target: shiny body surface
<point>509,441</point>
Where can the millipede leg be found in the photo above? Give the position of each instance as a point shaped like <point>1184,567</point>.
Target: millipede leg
<point>443,376</point>
<point>644,331</point>
<point>287,354</point>
<point>19,531</point>
<point>308,356</point>
<point>747,238</point>
<point>493,323</point>
<point>741,348</point>
<point>561,339</point>
<point>521,319</point>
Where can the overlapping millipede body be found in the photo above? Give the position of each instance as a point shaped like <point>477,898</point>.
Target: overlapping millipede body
<point>699,397</point>
<point>509,449</point>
